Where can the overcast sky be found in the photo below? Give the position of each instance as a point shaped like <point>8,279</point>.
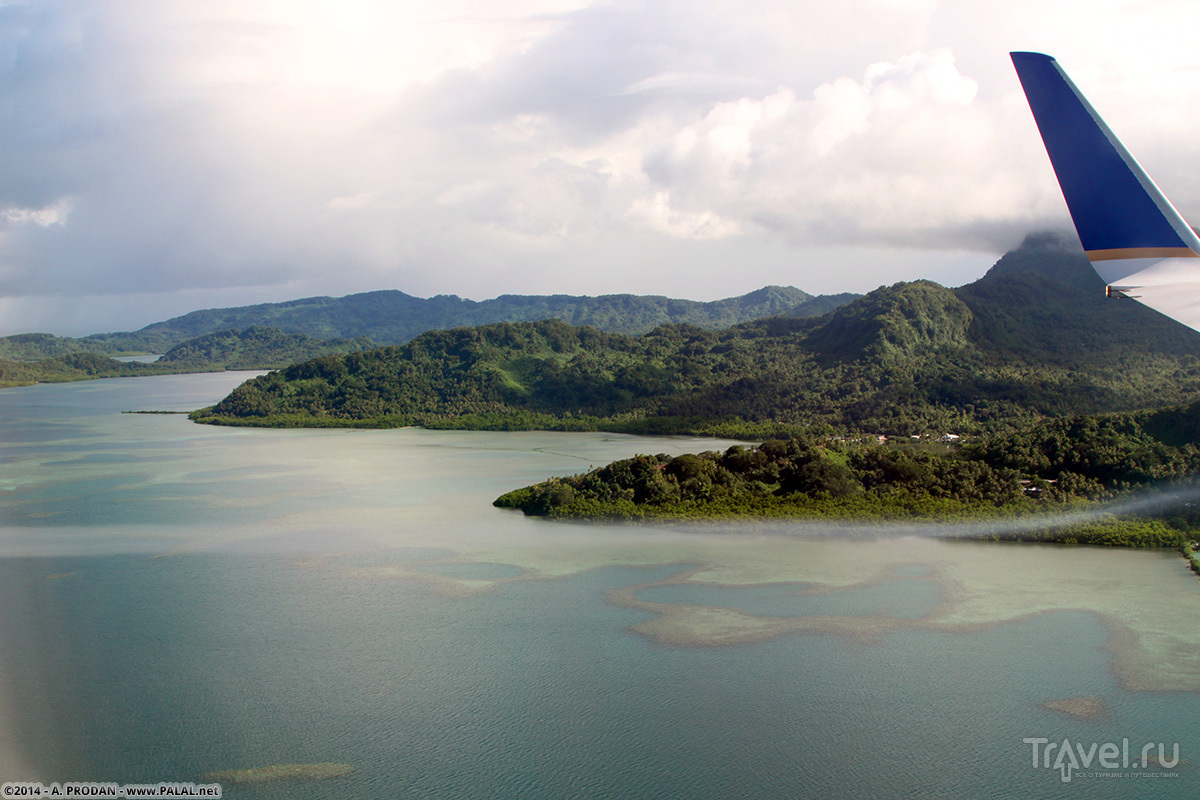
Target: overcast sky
<point>159,156</point>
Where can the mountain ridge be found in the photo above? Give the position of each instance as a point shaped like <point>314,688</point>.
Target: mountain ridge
<point>390,316</point>
<point>1035,337</point>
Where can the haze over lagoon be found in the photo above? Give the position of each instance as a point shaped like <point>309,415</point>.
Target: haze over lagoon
<point>183,600</point>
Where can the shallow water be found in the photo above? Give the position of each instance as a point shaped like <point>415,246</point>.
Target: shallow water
<point>182,599</point>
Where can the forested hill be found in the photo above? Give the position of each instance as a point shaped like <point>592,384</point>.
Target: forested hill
<point>1043,302</point>
<point>253,348</point>
<point>1033,338</point>
<point>393,317</point>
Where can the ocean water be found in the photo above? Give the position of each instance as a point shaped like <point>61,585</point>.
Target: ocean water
<point>179,600</point>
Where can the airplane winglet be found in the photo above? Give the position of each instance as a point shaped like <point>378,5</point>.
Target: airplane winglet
<point>1136,240</point>
<point>1117,209</point>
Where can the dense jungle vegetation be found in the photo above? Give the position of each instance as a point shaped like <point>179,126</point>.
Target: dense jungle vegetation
<point>393,317</point>
<point>1063,397</point>
<point>1054,467</point>
<point>253,348</point>
<point>1034,338</point>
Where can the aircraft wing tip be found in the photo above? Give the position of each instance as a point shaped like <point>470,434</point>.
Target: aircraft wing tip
<point>1028,55</point>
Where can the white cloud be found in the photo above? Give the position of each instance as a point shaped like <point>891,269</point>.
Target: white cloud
<point>919,77</point>
<point>658,214</point>
<point>353,202</point>
<point>841,109</point>
<point>903,155</point>
<point>367,46</point>
<point>549,145</point>
<point>53,214</point>
<point>687,82</point>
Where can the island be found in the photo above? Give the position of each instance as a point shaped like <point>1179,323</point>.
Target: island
<point>1026,394</point>
<point>51,359</point>
<point>275,335</point>
<point>1068,474</point>
<point>1051,398</point>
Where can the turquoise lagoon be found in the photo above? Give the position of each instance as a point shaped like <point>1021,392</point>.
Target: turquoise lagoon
<point>181,600</point>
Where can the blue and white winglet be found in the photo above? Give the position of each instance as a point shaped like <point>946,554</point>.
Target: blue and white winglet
<point>1134,238</point>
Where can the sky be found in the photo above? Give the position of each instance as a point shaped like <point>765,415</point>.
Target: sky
<point>161,156</point>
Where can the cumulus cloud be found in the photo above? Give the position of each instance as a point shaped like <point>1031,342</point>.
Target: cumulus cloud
<point>267,149</point>
<point>658,214</point>
<point>53,214</point>
<point>903,155</point>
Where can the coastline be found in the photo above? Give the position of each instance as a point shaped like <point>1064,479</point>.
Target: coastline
<point>367,537</point>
